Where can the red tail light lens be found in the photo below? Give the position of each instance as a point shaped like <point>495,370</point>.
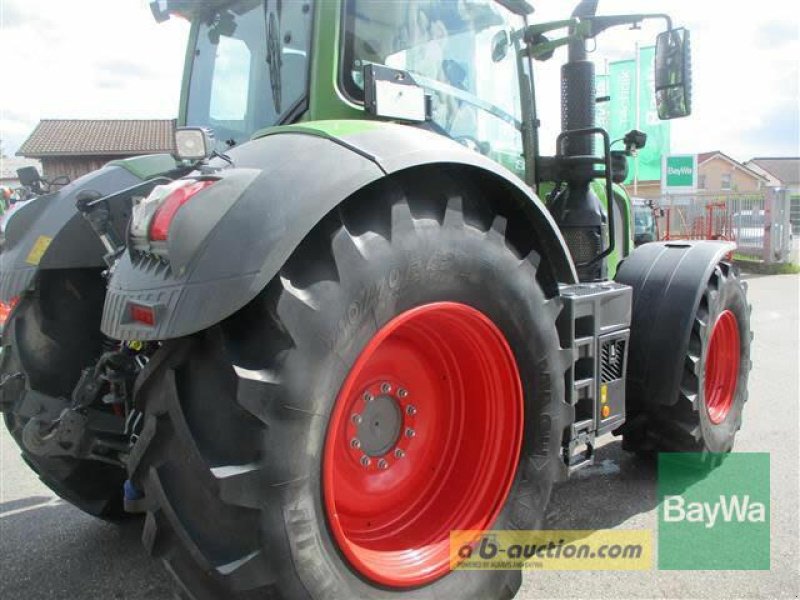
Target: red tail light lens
<point>146,315</point>
<point>159,227</point>
<point>6,308</point>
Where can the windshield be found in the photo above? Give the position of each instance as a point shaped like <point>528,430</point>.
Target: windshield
<point>643,219</point>
<point>458,50</point>
<point>250,68</point>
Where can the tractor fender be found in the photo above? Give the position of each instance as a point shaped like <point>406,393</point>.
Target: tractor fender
<point>668,280</point>
<point>231,239</point>
<point>48,232</point>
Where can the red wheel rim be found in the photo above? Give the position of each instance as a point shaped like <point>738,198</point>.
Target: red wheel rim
<point>722,367</point>
<point>424,438</point>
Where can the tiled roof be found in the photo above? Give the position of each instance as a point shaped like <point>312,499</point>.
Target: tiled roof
<point>65,137</point>
<point>785,168</point>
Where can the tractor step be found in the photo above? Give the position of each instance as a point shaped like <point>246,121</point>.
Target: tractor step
<point>595,325</point>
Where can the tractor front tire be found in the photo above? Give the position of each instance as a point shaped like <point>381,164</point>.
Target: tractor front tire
<point>400,378</point>
<point>713,388</point>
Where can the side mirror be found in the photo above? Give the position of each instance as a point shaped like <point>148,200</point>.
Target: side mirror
<point>673,76</point>
<point>500,43</point>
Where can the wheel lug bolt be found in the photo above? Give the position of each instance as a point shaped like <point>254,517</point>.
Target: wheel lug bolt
<point>411,410</point>
<point>410,433</point>
<point>398,453</point>
<point>365,461</point>
<point>355,443</point>
<point>368,397</point>
<point>383,465</point>
<point>402,393</point>
<point>386,388</point>
<point>356,419</point>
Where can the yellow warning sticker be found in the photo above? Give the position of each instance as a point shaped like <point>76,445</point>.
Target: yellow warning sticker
<point>37,251</point>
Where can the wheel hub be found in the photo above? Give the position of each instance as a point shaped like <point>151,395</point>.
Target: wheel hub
<point>382,426</point>
<point>379,425</point>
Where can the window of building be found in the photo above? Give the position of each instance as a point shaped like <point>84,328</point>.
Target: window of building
<point>701,182</point>
<point>725,184</point>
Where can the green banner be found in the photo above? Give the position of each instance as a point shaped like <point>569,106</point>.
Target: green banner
<point>622,89</point>
<point>619,115</point>
<point>648,162</point>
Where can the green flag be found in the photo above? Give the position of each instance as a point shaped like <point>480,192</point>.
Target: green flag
<point>622,89</point>
<point>620,114</point>
<point>648,167</point>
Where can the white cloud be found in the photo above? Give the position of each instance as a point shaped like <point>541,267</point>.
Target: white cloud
<point>110,59</point>
<point>88,59</point>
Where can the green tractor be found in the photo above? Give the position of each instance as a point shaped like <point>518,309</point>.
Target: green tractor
<point>340,322</point>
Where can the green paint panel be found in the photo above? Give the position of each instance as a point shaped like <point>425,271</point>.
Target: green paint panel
<point>340,128</point>
<point>146,167</point>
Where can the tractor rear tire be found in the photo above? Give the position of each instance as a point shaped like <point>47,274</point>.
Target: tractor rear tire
<point>245,456</point>
<point>49,337</point>
<point>713,388</point>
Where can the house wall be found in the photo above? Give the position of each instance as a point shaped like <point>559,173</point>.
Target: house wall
<point>714,169</point>
<point>73,166</point>
<point>645,189</point>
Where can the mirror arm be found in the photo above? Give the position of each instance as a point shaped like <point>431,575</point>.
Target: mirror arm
<point>581,28</point>
<point>599,24</point>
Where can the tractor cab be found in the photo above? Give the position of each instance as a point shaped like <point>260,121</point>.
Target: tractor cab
<point>458,53</point>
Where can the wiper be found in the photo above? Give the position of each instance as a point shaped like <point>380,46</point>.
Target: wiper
<point>274,56</point>
<point>449,90</point>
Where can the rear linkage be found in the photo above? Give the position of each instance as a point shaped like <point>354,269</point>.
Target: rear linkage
<point>83,427</point>
<point>98,422</point>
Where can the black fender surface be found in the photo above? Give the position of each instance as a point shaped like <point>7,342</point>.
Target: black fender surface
<point>668,280</point>
<point>48,232</point>
<point>232,238</point>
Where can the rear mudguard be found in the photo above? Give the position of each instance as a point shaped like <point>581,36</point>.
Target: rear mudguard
<point>228,242</point>
<point>668,280</point>
<point>49,233</point>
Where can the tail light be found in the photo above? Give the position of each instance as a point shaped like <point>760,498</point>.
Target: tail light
<point>153,215</point>
<point>6,308</point>
<point>159,228</point>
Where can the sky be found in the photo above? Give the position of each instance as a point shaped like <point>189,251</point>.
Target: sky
<point>110,59</point>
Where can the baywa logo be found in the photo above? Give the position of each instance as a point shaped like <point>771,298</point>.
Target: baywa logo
<point>728,508</point>
<point>714,511</point>
<point>679,170</point>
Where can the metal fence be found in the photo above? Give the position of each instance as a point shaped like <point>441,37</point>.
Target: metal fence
<point>758,223</point>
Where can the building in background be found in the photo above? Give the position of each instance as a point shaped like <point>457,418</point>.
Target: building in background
<point>782,172</point>
<point>716,173</point>
<point>74,147</point>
